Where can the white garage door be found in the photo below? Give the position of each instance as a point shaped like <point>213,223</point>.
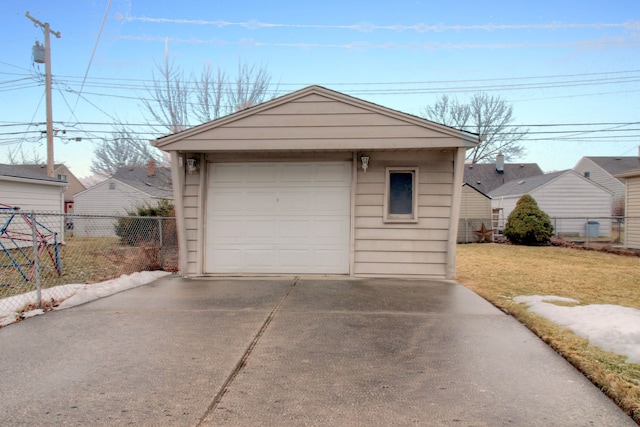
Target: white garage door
<point>278,218</point>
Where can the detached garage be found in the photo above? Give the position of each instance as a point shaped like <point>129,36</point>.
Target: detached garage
<point>318,182</point>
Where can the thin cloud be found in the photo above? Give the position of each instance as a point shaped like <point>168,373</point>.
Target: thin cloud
<point>362,45</point>
<point>369,27</point>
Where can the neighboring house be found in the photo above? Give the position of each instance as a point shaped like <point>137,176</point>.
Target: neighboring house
<point>475,211</point>
<point>603,171</point>
<point>632,208</point>
<point>318,182</point>
<point>576,205</point>
<point>62,173</point>
<point>130,187</point>
<point>484,178</point>
<point>32,191</point>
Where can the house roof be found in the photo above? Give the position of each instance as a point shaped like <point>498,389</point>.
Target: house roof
<point>616,165</point>
<point>16,171</point>
<point>485,178</point>
<point>156,185</point>
<point>526,185</point>
<point>194,135</point>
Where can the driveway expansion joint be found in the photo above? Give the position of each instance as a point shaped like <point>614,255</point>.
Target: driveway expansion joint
<point>243,360</point>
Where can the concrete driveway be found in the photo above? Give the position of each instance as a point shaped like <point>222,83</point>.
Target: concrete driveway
<point>290,351</point>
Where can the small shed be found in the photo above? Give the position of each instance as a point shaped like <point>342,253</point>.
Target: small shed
<point>574,203</point>
<point>632,208</point>
<point>33,191</point>
<point>318,182</point>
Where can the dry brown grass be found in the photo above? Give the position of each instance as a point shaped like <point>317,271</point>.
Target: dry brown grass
<point>500,272</point>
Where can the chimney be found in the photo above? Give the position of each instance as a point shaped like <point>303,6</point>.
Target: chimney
<point>151,168</point>
<point>500,163</point>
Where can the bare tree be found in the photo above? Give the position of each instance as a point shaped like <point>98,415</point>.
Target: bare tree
<point>123,149</point>
<point>209,94</point>
<point>168,104</point>
<point>489,116</point>
<point>17,156</point>
<point>174,102</point>
<point>250,88</point>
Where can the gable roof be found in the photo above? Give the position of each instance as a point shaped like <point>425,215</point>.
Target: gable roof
<point>616,165</point>
<point>214,135</point>
<point>21,173</point>
<point>485,178</point>
<point>527,185</point>
<point>156,185</point>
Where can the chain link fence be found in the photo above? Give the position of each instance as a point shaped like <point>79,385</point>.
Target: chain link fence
<point>42,254</point>
<point>591,232</point>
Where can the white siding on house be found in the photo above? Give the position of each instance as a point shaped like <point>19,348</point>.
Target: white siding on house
<point>632,226</point>
<point>36,197</point>
<point>108,198</point>
<point>604,179</point>
<point>571,199</point>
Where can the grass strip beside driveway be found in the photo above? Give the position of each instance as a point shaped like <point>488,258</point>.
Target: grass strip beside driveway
<point>500,272</point>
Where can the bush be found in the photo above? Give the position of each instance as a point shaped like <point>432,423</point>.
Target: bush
<point>135,229</point>
<point>528,224</point>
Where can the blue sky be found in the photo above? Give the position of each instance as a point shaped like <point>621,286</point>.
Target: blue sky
<point>557,62</point>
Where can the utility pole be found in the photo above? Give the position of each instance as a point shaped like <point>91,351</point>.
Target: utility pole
<point>47,70</point>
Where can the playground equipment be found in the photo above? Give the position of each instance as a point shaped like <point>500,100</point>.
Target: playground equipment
<point>17,241</point>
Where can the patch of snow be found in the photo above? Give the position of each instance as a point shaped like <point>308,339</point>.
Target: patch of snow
<point>611,327</point>
<point>73,294</point>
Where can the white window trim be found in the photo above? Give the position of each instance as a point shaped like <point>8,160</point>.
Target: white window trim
<point>404,219</point>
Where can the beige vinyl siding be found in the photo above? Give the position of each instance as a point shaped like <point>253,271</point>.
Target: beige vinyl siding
<point>475,210</point>
<point>192,204</point>
<point>632,231</point>
<point>314,122</point>
<point>406,249</point>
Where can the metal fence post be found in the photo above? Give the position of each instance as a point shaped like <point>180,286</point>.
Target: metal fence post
<point>36,263</point>
<point>160,256</point>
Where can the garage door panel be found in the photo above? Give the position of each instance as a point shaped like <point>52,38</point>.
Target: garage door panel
<point>278,218</point>
<point>325,259</point>
<point>261,173</point>
<point>329,231</point>
<point>290,231</point>
<point>262,259</point>
<point>296,173</point>
<point>229,173</point>
<point>333,172</point>
<point>293,201</point>
<point>226,201</point>
<point>259,202</point>
<point>331,201</point>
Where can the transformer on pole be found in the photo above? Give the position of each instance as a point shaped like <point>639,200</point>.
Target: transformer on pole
<point>37,57</point>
